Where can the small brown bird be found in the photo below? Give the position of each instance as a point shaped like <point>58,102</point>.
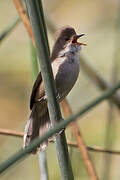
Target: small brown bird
<point>65,66</point>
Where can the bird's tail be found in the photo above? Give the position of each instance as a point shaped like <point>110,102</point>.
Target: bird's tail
<point>37,125</point>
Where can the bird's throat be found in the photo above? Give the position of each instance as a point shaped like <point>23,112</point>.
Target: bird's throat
<point>70,50</point>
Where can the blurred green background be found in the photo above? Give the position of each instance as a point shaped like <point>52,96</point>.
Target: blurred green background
<point>99,20</point>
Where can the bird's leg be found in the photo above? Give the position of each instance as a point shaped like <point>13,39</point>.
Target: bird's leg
<point>60,132</point>
<point>44,98</point>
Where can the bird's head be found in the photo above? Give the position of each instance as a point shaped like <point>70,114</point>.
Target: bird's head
<point>65,36</point>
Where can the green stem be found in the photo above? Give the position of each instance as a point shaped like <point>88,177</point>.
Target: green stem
<point>36,16</point>
<point>43,165</point>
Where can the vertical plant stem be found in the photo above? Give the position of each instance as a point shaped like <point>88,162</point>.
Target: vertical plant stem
<point>38,27</point>
<point>41,155</point>
<point>43,165</point>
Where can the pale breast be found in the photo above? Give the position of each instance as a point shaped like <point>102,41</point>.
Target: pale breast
<point>65,70</point>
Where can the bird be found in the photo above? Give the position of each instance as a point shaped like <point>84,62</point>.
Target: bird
<point>65,67</point>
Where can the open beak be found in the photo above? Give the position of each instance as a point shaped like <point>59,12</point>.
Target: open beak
<point>76,37</point>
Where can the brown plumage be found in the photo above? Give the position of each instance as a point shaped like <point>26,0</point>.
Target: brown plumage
<point>63,55</point>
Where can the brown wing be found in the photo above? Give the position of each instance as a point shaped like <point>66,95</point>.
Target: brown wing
<point>34,90</point>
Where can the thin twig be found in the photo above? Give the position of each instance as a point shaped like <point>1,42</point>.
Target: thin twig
<point>81,145</point>
<point>9,29</point>
<point>97,149</point>
<point>11,132</point>
<point>24,18</point>
<point>102,150</point>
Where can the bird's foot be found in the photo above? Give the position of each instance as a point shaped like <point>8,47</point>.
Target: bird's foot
<point>42,99</point>
<point>60,132</point>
